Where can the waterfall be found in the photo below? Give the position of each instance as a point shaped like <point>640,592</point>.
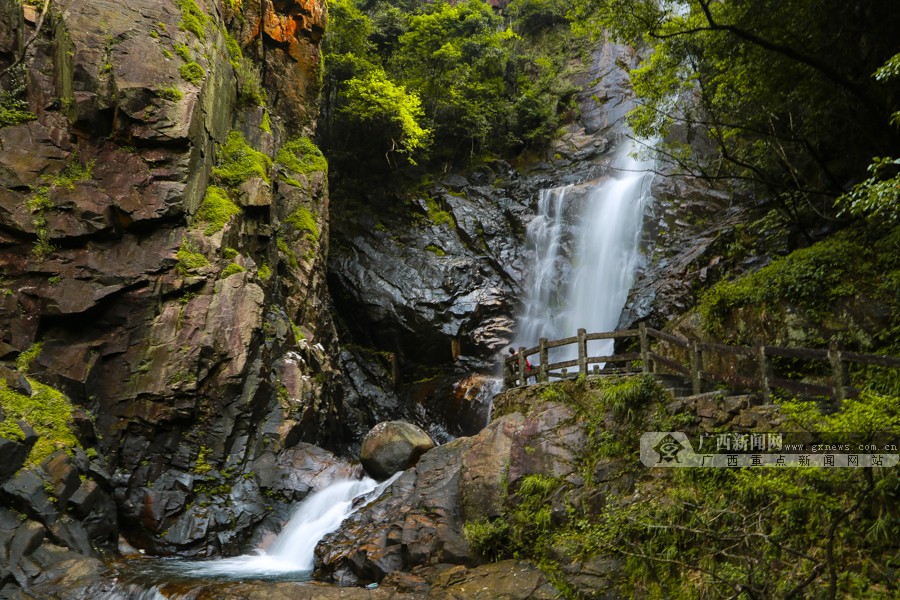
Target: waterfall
<point>290,558</point>
<point>585,260</point>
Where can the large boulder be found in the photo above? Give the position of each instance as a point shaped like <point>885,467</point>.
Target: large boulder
<point>393,446</point>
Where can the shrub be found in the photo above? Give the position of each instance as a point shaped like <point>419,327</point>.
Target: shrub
<point>14,111</point>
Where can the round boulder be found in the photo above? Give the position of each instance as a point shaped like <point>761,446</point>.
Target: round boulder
<point>393,446</point>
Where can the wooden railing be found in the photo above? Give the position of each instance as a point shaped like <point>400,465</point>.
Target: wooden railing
<point>657,360</point>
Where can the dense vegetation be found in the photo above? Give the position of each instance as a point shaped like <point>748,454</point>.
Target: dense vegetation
<point>444,82</point>
<point>705,533</point>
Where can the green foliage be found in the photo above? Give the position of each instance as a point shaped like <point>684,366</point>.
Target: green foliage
<point>812,279</point>
<point>171,93</point>
<point>303,220</point>
<point>438,215</point>
<point>231,269</point>
<point>302,156</point>
<point>452,80</point>
<point>779,89</point>
<point>878,197</point>
<point>387,110</point>
<point>264,273</point>
<point>436,250</point>
<point>40,201</point>
<point>192,72</point>
<point>193,18</point>
<point>14,111</point>
<point>47,411</point>
<point>216,210</point>
<point>284,249</point>
<point>202,465</point>
<point>24,360</point>
<point>490,538</point>
<point>189,261</point>
<point>238,162</point>
<point>250,87</point>
<point>183,51</point>
<point>230,253</point>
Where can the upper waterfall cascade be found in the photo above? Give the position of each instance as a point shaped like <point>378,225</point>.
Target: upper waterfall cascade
<point>585,255</point>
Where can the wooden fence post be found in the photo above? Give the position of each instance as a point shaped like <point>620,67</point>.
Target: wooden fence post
<point>523,376</point>
<point>839,374</point>
<point>765,373</point>
<point>582,352</point>
<point>545,372</point>
<point>645,349</point>
<point>696,367</point>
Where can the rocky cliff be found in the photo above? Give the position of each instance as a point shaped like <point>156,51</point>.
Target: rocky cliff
<point>163,234</point>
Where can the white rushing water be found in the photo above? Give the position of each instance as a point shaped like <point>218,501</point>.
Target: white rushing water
<point>585,263</point>
<point>293,552</point>
<point>291,556</point>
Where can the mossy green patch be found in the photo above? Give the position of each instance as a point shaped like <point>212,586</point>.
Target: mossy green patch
<point>436,250</point>
<point>183,51</point>
<point>811,280</point>
<point>193,18</point>
<point>24,360</point>
<point>14,111</point>
<point>170,93</point>
<point>302,156</point>
<point>238,162</point>
<point>231,269</point>
<point>438,215</point>
<point>216,210</point>
<point>47,411</point>
<point>189,261</point>
<point>202,465</point>
<point>289,254</point>
<point>192,72</point>
<point>266,124</point>
<point>303,220</point>
<point>264,272</point>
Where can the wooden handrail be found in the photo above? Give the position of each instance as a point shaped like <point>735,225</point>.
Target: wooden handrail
<point>516,373</point>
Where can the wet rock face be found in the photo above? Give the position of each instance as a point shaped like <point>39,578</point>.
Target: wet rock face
<point>438,289</point>
<point>393,446</point>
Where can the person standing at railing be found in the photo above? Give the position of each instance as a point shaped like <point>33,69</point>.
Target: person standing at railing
<point>529,369</point>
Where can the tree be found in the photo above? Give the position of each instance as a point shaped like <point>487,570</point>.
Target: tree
<point>878,197</point>
<point>455,58</point>
<point>386,112</point>
<point>366,114</point>
<point>781,89</point>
